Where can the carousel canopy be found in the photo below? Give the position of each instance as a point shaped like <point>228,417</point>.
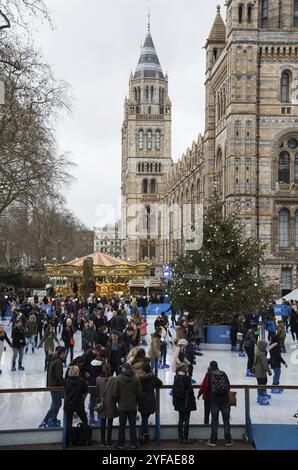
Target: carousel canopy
<point>103,266</point>
<point>101,259</point>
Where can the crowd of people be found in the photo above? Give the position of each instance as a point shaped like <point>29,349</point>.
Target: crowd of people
<point>123,372</point>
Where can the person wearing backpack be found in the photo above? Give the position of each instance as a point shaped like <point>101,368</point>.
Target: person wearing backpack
<point>75,392</point>
<point>184,401</point>
<point>218,393</point>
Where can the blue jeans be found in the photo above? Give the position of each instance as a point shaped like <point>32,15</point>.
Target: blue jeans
<point>225,411</point>
<point>154,365</point>
<point>276,376</point>
<point>55,406</point>
<point>17,352</point>
<point>31,341</point>
<point>132,420</point>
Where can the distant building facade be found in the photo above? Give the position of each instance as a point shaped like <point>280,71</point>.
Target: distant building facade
<point>107,240</point>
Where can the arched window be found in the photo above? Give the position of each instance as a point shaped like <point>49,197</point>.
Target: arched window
<point>143,167</point>
<point>149,140</point>
<point>139,167</point>
<point>284,168</point>
<point>156,167</point>
<point>240,13</point>
<point>159,167</point>
<point>151,167</point>
<point>296,168</point>
<point>147,94</point>
<point>157,140</point>
<point>148,167</point>
<point>284,228</point>
<point>295,13</point>
<point>285,86</point>
<point>264,14</point>
<point>145,186</point>
<point>153,186</point>
<point>249,14</point>
<point>141,139</point>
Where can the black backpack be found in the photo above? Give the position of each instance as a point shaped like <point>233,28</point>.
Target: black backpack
<point>218,382</point>
<point>81,435</point>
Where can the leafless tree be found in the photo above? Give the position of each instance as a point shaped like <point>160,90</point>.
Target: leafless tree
<point>30,163</point>
<point>19,12</point>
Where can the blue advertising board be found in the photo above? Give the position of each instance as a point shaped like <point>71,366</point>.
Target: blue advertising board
<point>218,334</point>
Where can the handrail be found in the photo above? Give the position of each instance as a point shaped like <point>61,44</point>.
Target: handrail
<point>164,387</point>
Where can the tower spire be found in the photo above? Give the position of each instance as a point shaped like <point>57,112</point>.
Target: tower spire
<point>149,17</point>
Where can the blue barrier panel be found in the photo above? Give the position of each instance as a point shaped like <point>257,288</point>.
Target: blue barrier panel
<point>218,334</point>
<point>277,309</point>
<point>158,309</point>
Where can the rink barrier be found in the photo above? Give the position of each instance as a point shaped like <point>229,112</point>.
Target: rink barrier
<point>247,388</point>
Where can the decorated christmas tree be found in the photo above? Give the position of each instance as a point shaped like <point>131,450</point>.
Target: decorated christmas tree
<point>225,276</point>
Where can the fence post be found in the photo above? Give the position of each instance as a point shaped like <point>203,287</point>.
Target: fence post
<point>64,434</point>
<point>248,424</point>
<point>157,418</point>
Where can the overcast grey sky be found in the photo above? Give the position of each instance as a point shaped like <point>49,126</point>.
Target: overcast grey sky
<point>95,45</point>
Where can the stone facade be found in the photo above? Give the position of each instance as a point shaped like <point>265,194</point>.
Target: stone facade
<point>250,144</point>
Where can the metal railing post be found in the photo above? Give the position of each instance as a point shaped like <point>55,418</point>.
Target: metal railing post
<point>64,434</point>
<point>157,418</point>
<point>248,424</point>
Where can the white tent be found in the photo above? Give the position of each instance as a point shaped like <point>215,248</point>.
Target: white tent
<point>291,296</point>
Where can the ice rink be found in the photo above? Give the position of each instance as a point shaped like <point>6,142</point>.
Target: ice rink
<point>26,411</point>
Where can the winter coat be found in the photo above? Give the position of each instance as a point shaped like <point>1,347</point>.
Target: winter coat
<point>95,370</point>
<point>131,341</point>
<point>49,342</point>
<point>294,321</point>
<point>261,366</point>
<point>149,382</point>
<point>204,388</point>
<point>250,340</point>
<point>88,338</point>
<point>4,337</point>
<point>55,373</point>
<point>118,323</point>
<point>121,353</point>
<point>31,329</point>
<point>183,394</point>
<point>276,358</point>
<point>105,389</point>
<point>154,350</point>
<point>75,392</point>
<point>18,338</point>
<point>127,391</point>
<point>102,339</point>
<point>67,333</point>
<point>177,359</point>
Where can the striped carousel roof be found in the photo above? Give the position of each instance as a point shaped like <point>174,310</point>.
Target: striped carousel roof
<point>100,259</point>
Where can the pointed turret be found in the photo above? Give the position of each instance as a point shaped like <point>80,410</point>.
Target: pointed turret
<point>218,31</point>
<point>149,64</point>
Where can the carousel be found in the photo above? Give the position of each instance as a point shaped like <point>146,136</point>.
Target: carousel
<point>112,275</point>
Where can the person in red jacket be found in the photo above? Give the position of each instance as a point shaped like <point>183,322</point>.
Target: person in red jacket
<point>204,391</point>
